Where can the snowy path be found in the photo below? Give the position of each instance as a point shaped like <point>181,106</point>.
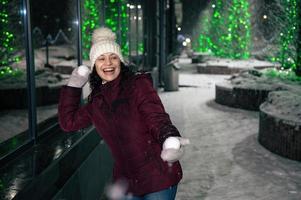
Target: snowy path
<point>225,161</point>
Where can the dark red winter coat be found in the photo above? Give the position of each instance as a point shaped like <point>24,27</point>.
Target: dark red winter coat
<point>131,119</point>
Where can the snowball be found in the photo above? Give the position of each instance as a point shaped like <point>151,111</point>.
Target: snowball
<point>83,70</point>
<point>171,143</point>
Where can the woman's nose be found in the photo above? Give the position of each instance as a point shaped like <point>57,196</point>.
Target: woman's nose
<point>108,61</point>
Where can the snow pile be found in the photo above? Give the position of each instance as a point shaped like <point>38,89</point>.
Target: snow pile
<point>56,56</point>
<point>242,64</point>
<point>284,105</point>
<point>284,100</point>
<point>42,78</point>
<point>255,79</point>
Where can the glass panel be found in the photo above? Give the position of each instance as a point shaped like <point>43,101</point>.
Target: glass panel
<point>54,36</point>
<point>140,30</point>
<point>116,18</point>
<point>91,18</point>
<point>136,33</point>
<point>13,91</point>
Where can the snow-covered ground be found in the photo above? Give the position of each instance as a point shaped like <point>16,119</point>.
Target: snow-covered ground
<point>225,160</point>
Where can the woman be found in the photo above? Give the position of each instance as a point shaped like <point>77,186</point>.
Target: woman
<point>129,116</point>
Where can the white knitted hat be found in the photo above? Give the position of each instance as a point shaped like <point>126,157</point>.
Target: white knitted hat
<point>103,41</point>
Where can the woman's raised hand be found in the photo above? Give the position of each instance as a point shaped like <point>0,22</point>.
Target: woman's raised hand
<point>79,77</point>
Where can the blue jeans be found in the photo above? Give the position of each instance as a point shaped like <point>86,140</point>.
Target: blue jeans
<point>166,194</point>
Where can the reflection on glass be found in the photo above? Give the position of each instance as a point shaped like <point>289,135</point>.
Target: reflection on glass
<point>136,33</point>
<point>13,107</point>
<point>90,21</point>
<point>54,40</point>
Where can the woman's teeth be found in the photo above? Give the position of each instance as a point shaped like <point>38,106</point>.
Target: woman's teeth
<point>108,69</point>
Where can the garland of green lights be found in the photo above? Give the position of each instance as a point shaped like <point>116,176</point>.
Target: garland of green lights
<point>124,28</point>
<point>6,43</point>
<point>112,19</point>
<point>217,28</point>
<point>204,41</point>
<point>91,20</point>
<point>288,36</point>
<point>228,33</point>
<point>239,36</point>
<point>6,36</point>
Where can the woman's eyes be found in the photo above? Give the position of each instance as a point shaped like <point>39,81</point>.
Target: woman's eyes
<point>111,58</point>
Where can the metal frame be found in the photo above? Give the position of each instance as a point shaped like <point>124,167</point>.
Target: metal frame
<point>31,89</point>
<point>79,34</point>
<point>162,35</point>
<point>30,68</point>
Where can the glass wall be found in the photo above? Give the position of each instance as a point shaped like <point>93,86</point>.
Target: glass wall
<point>13,91</point>
<point>136,32</point>
<point>54,36</point>
<point>116,18</point>
<point>54,30</point>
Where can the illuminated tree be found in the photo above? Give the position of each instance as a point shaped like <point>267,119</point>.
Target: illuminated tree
<point>7,49</point>
<point>218,28</point>
<point>91,20</point>
<point>288,36</point>
<point>6,37</point>
<point>226,33</point>
<point>277,27</point>
<point>204,41</point>
<point>238,36</point>
<point>114,21</point>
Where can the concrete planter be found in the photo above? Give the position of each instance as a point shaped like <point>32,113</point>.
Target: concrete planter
<point>245,98</point>
<point>280,136</point>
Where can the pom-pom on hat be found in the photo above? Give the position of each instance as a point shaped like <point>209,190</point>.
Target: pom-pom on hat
<point>103,41</point>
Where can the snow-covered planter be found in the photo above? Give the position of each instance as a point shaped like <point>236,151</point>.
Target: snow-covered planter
<point>239,97</point>
<point>280,124</point>
<point>207,68</point>
<point>228,66</point>
<point>246,90</point>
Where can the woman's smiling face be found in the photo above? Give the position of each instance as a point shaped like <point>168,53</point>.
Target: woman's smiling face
<point>108,67</point>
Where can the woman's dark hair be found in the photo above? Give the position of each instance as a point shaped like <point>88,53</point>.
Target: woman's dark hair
<point>95,80</point>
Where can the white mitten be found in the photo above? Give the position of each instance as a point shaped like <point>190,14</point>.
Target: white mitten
<point>79,76</point>
<point>117,191</point>
<point>173,148</point>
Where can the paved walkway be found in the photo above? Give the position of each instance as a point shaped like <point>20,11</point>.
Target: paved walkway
<point>225,161</point>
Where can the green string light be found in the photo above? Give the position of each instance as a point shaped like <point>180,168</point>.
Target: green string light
<point>288,36</point>
<point>204,41</point>
<point>6,72</point>
<point>226,29</point>
<point>7,49</point>
<point>112,21</point>
<point>239,35</point>
<point>91,20</point>
<point>218,28</point>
